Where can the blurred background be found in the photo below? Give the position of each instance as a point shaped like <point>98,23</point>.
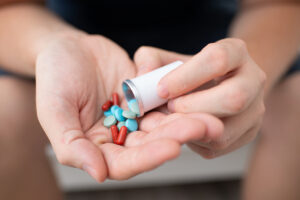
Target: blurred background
<point>187,177</point>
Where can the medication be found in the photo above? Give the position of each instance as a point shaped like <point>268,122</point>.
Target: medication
<point>107,105</point>
<point>141,91</point>
<point>118,114</point>
<point>120,124</point>
<point>131,124</point>
<point>118,120</point>
<point>115,98</point>
<point>134,106</point>
<point>107,113</point>
<point>122,135</point>
<point>114,133</point>
<point>114,108</point>
<point>109,121</point>
<point>129,114</point>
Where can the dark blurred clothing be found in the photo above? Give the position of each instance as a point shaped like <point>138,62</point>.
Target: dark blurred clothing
<point>181,26</point>
<point>177,25</point>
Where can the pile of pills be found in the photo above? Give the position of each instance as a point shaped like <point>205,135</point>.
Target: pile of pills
<point>118,120</point>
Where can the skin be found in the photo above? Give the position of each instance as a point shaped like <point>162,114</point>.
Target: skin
<point>233,70</point>
<point>274,168</point>
<point>234,77</point>
<point>24,166</point>
<point>69,112</point>
<point>60,57</point>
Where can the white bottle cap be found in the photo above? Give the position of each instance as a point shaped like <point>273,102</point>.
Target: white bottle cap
<point>144,88</point>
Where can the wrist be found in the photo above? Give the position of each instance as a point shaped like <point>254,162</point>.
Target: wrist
<point>44,41</point>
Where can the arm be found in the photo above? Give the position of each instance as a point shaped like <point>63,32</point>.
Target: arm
<point>75,74</point>
<point>271,30</point>
<point>26,28</point>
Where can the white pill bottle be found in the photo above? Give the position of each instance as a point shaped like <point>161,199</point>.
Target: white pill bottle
<point>144,88</point>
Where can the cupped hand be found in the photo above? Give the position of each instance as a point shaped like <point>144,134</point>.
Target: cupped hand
<point>75,75</point>
<point>222,80</point>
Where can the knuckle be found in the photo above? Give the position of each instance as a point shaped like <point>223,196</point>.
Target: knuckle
<point>241,45</point>
<point>142,50</point>
<point>218,58</point>
<point>180,106</point>
<point>235,100</point>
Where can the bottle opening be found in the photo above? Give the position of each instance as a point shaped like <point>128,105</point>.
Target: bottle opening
<point>132,95</point>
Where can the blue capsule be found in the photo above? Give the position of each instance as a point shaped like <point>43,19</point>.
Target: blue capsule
<point>131,125</point>
<point>114,108</point>
<point>118,115</point>
<point>107,113</point>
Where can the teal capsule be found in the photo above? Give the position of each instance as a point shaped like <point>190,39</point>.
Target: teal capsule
<point>120,124</point>
<point>118,114</point>
<point>134,106</point>
<point>107,113</point>
<point>109,121</point>
<point>129,114</point>
<point>131,125</point>
<point>114,108</point>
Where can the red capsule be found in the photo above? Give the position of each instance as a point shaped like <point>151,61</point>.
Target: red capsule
<point>107,105</point>
<point>114,133</point>
<point>122,135</point>
<point>115,98</point>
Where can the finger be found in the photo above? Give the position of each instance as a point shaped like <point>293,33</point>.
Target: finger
<point>209,154</point>
<point>124,162</point>
<point>238,131</point>
<point>60,120</point>
<point>149,58</point>
<point>180,127</point>
<point>213,61</point>
<point>230,97</point>
<point>181,130</point>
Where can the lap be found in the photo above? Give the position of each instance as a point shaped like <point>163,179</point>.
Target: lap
<point>283,109</point>
<point>18,120</point>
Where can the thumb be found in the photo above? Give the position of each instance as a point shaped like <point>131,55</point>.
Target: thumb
<point>149,58</point>
<point>60,121</point>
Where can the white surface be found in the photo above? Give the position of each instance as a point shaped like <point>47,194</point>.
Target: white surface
<point>188,168</point>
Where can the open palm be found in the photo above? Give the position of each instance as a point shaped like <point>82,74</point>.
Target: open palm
<point>75,75</point>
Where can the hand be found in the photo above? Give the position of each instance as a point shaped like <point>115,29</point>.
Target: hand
<point>221,80</point>
<point>75,75</point>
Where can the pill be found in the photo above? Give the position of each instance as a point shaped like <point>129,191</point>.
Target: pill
<point>115,98</point>
<point>109,121</point>
<point>118,114</point>
<point>134,106</point>
<point>131,124</point>
<point>114,108</point>
<point>120,124</point>
<point>122,135</point>
<point>114,133</point>
<point>107,113</point>
<point>107,105</point>
<point>129,114</point>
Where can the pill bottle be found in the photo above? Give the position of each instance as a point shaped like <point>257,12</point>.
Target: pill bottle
<point>143,89</point>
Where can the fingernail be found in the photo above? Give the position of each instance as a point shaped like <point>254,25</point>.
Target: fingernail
<point>171,106</point>
<point>162,91</point>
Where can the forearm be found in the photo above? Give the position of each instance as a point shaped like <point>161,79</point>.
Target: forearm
<point>25,30</point>
<point>272,34</point>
